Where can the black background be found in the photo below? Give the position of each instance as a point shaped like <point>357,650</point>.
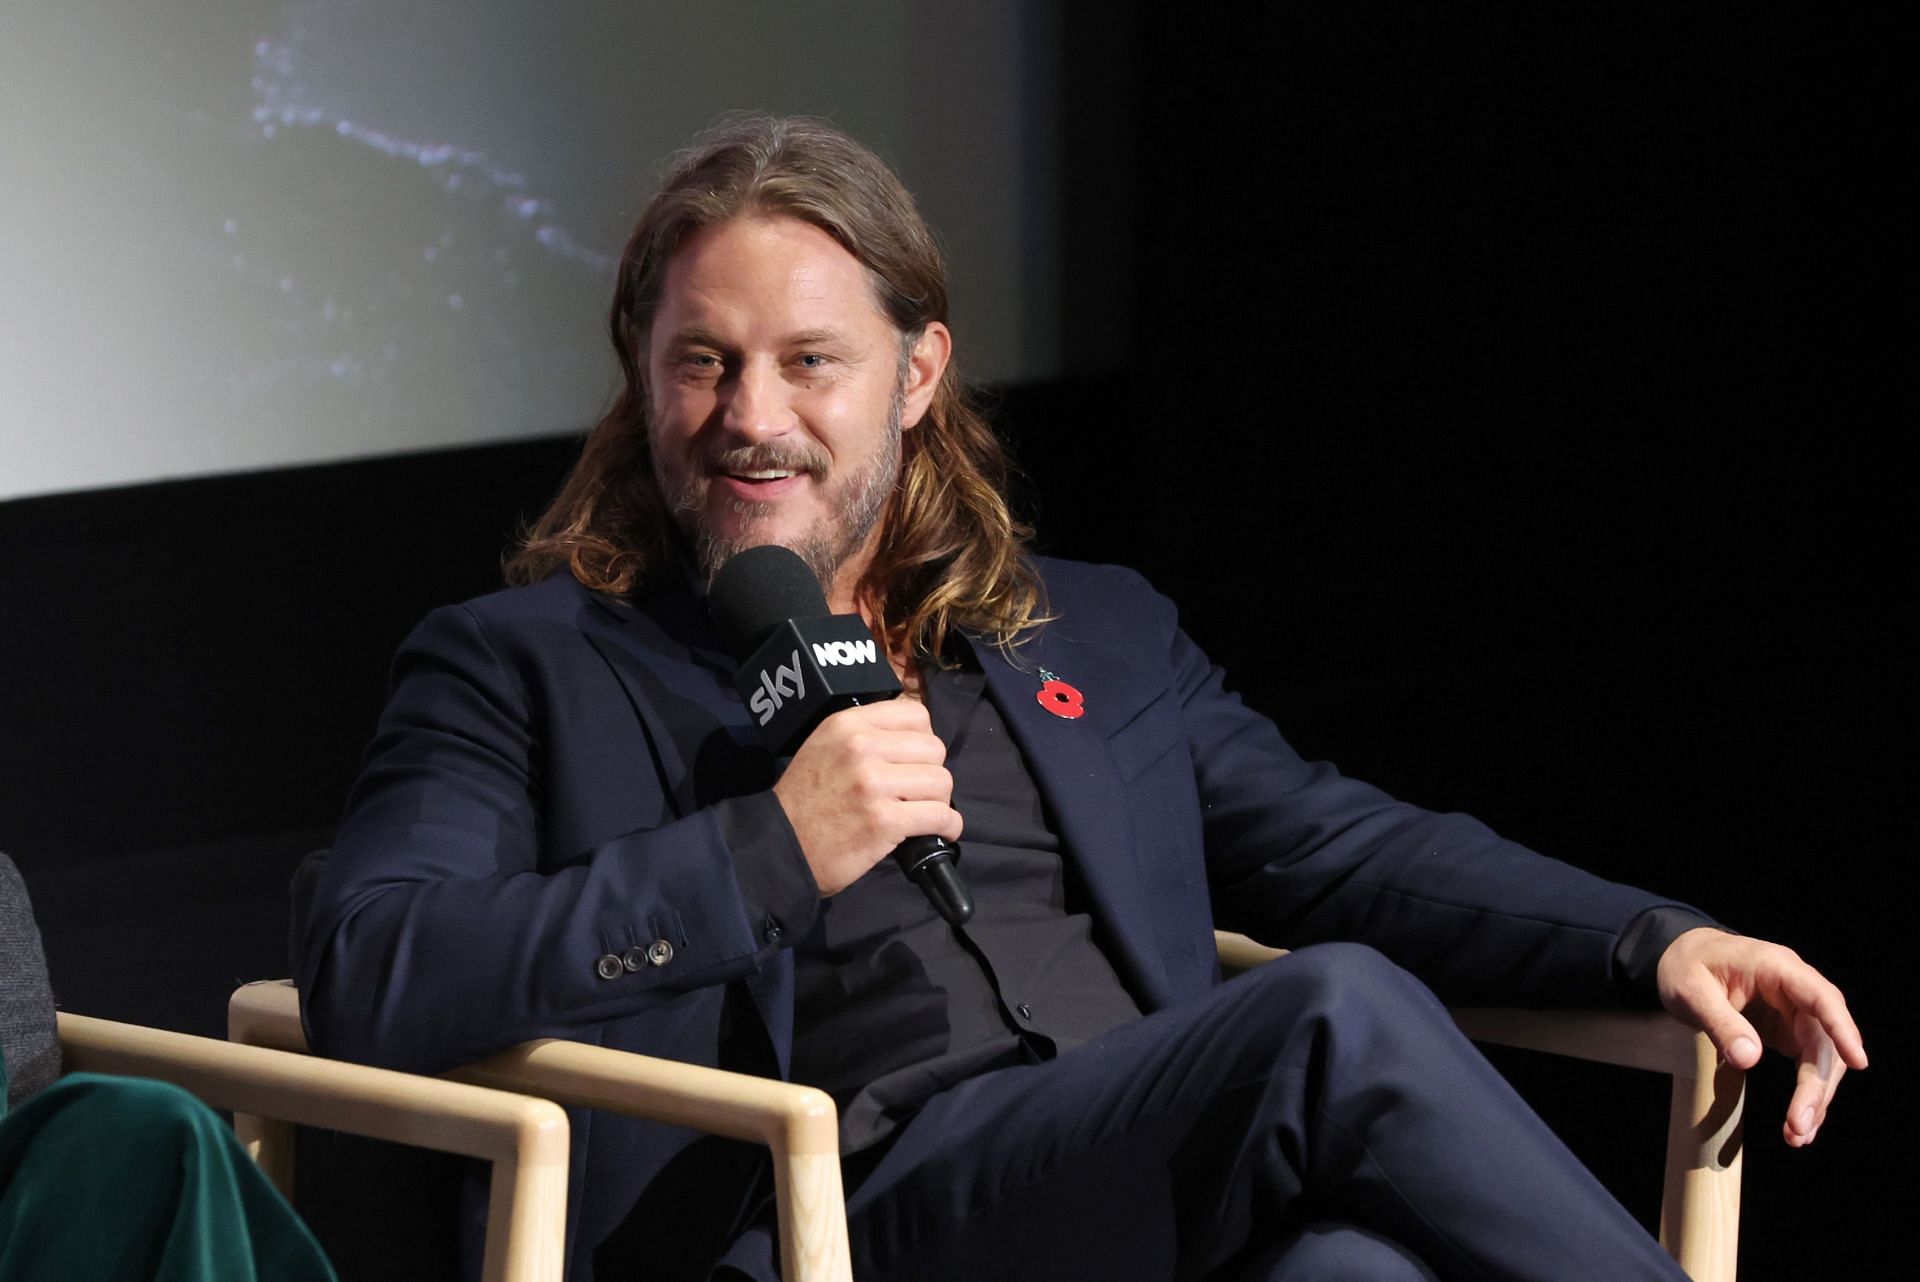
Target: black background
<point>1512,397</point>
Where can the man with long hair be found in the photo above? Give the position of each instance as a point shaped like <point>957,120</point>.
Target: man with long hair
<point>566,827</point>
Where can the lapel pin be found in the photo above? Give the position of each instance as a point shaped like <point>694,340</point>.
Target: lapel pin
<point>1059,698</point>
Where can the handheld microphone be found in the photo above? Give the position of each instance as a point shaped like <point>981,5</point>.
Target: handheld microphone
<point>798,665</point>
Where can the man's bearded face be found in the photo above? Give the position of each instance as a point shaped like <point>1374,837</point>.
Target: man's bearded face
<point>854,502</point>
<point>776,396</point>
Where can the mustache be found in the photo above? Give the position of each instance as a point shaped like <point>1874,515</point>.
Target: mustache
<point>764,457</point>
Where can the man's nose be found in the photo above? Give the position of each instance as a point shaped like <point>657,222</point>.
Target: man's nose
<point>758,404</point>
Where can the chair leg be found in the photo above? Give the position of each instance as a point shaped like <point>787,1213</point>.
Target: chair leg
<point>813,1225</point>
<point>527,1218</point>
<point>269,1142</point>
<point>1700,1209</point>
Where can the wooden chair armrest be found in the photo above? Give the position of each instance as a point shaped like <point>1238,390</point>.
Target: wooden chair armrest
<point>1647,1040</point>
<point>1238,953</point>
<point>525,1138</point>
<point>799,1124</point>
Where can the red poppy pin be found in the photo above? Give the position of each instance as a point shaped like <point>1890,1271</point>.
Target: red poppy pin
<point>1059,698</point>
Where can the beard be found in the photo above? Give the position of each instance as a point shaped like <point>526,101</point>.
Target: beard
<point>854,504</point>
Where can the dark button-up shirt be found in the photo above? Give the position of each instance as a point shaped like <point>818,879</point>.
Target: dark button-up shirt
<point>894,1005</point>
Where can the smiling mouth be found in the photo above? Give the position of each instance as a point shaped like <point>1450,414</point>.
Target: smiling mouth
<point>754,468</point>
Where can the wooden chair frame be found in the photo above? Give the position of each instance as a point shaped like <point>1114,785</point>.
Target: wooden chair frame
<point>523,1137</point>
<point>1699,1218</point>
<point>799,1124</point>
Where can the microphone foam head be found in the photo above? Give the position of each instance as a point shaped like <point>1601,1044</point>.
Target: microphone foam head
<point>757,591</point>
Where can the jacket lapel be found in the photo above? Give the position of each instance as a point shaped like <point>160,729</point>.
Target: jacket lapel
<point>1079,782</point>
<point>680,684</point>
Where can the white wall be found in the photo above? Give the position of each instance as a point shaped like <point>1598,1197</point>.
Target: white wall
<point>243,235</point>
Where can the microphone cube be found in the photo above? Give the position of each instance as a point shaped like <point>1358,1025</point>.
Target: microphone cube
<point>808,669</point>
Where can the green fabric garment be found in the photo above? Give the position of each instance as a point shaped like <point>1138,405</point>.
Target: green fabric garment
<point>120,1178</point>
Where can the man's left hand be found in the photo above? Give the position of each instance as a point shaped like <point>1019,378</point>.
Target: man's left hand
<point>1742,992</point>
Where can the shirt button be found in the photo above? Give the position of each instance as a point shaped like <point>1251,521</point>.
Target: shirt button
<point>634,958</point>
<point>659,952</point>
<point>609,966</point>
<point>1026,1011</point>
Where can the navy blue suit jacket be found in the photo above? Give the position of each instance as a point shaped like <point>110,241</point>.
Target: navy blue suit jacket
<point>560,776</point>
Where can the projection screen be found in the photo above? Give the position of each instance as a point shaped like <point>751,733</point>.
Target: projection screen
<point>241,235</point>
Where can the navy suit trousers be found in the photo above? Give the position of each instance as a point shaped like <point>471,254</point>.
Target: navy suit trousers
<point>1320,1113</point>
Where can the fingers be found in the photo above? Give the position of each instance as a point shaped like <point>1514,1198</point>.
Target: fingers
<point>930,819</point>
<point>1820,1033</point>
<point>864,781</point>
<point>1817,1079</point>
<point>1706,975</point>
<point>891,714</point>
<point>1702,1001</point>
<point>878,784</point>
<point>1807,990</point>
<point>896,731</point>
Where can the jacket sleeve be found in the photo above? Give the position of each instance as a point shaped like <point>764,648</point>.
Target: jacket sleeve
<point>442,929</point>
<point>1298,854</point>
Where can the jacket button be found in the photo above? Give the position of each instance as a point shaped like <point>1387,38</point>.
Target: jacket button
<point>634,958</point>
<point>1026,1011</point>
<point>773,932</point>
<point>659,952</point>
<point>609,967</point>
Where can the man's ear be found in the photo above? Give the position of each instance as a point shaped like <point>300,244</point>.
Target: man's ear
<point>925,364</point>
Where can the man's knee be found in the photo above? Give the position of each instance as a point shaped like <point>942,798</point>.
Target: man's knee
<point>1343,1003</point>
<point>1334,1252</point>
<point>1343,976</point>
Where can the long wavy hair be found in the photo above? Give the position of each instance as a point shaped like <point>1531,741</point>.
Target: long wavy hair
<point>951,553</point>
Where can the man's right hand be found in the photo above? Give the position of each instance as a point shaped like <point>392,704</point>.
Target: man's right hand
<point>864,781</point>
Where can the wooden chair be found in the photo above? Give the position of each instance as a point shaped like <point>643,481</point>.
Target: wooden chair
<point>1699,1212</point>
<point>525,1138</point>
<point>799,1124</point>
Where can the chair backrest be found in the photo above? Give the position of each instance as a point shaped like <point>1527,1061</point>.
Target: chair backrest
<point>27,1037</point>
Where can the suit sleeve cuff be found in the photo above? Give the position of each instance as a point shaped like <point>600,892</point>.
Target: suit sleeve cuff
<point>777,888</point>
<point>1636,958</point>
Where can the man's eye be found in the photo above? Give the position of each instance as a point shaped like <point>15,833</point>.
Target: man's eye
<point>700,361</point>
<point>812,360</point>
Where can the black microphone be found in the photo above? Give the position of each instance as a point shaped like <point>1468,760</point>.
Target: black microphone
<point>799,664</point>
